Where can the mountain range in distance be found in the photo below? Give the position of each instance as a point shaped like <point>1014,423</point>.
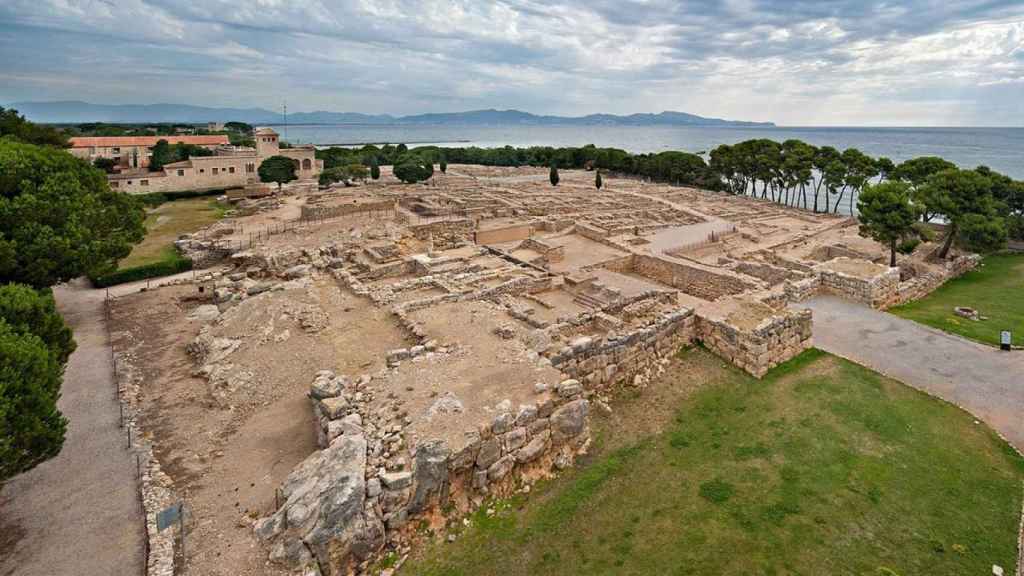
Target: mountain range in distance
<point>66,112</point>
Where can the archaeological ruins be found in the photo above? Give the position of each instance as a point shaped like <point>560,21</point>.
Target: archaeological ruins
<point>356,364</point>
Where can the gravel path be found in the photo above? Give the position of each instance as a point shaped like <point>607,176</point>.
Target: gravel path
<point>78,513</point>
<point>986,381</point>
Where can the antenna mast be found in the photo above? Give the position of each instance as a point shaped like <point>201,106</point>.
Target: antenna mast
<point>286,120</point>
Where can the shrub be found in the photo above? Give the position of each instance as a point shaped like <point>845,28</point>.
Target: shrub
<point>31,427</point>
<point>27,311</point>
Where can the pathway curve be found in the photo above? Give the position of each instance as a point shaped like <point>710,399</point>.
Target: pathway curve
<point>984,380</point>
<point>79,513</point>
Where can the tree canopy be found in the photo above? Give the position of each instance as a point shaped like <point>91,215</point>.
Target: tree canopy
<point>412,170</point>
<point>886,214</point>
<point>164,153</point>
<point>31,427</point>
<point>279,169</point>
<point>58,217</point>
<point>14,125</point>
<point>964,198</point>
<point>29,311</point>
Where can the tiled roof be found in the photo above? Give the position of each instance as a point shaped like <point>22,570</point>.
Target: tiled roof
<point>107,141</point>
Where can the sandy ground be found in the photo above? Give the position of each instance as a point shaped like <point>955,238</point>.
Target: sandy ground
<point>78,513</point>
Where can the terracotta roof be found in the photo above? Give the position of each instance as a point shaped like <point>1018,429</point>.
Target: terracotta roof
<point>107,141</point>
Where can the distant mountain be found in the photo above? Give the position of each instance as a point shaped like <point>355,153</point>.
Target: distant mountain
<point>73,111</point>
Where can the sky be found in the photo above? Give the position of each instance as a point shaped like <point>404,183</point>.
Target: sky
<point>802,62</point>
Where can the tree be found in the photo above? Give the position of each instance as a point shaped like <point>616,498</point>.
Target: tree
<point>31,427</point>
<point>374,169</point>
<point>105,164</point>
<point>357,172</point>
<point>280,169</point>
<point>886,214</point>
<point>162,155</point>
<point>917,171</point>
<point>413,170</point>
<point>28,311</point>
<point>443,165</point>
<point>58,217</point>
<point>553,174</point>
<point>597,180</point>
<point>956,195</point>
<point>14,125</point>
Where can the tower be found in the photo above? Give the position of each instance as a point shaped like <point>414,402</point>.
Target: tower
<point>266,142</point>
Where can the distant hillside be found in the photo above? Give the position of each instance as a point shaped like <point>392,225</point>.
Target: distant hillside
<point>73,111</point>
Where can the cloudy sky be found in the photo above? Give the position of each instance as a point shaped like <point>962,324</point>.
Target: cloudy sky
<point>802,62</point>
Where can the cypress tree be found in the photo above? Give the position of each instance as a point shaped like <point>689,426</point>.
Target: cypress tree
<point>553,175</point>
<point>597,180</point>
<point>374,169</point>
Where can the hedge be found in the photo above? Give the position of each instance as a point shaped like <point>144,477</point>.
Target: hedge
<point>157,198</point>
<point>154,270</point>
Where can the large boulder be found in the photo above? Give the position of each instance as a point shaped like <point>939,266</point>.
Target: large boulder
<point>431,475</point>
<point>569,420</point>
<point>325,511</point>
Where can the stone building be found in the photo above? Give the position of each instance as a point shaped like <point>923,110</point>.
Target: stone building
<point>229,167</point>
<point>135,151</point>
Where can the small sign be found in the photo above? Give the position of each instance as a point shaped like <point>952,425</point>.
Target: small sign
<point>1004,339</point>
<point>168,516</point>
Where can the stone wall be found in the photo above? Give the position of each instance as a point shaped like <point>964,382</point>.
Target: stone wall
<point>758,350</point>
<point>687,278</point>
<point>551,253</point>
<point>444,233</point>
<point>370,497</point>
<point>326,210</point>
<point>602,362</point>
<point>922,285</point>
<point>879,291</point>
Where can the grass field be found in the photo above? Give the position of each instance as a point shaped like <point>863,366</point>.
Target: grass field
<point>823,467</point>
<point>168,221</point>
<point>995,289</point>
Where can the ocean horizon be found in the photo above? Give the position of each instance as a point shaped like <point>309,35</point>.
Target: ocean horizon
<point>1001,149</point>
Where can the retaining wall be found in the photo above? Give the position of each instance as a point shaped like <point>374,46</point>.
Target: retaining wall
<point>757,351</point>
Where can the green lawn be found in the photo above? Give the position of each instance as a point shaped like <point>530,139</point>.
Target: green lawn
<point>165,223</point>
<point>996,290</point>
<point>823,467</point>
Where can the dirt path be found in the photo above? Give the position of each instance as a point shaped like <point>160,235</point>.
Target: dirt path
<point>987,382</point>
<point>78,513</point>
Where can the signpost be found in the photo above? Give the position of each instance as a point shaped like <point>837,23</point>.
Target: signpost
<point>1005,338</point>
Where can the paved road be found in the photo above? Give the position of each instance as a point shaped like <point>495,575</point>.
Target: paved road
<point>79,513</point>
<point>986,381</point>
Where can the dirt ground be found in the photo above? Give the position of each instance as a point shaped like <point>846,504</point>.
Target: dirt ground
<point>228,446</point>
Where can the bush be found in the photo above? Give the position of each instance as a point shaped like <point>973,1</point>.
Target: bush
<point>31,427</point>
<point>154,270</point>
<point>908,245</point>
<point>717,491</point>
<point>154,199</point>
<point>982,233</point>
<point>27,311</point>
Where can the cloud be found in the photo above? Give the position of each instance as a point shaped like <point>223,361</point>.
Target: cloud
<point>794,62</point>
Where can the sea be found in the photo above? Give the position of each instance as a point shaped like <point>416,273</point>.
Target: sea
<point>1001,149</point>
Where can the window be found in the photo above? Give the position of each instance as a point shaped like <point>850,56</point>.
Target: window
<point>214,171</point>
<point>307,165</point>
<point>181,172</point>
<point>129,182</point>
<point>115,150</point>
<point>231,169</point>
<point>202,170</point>
<point>143,182</point>
<point>250,167</point>
<point>114,184</point>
